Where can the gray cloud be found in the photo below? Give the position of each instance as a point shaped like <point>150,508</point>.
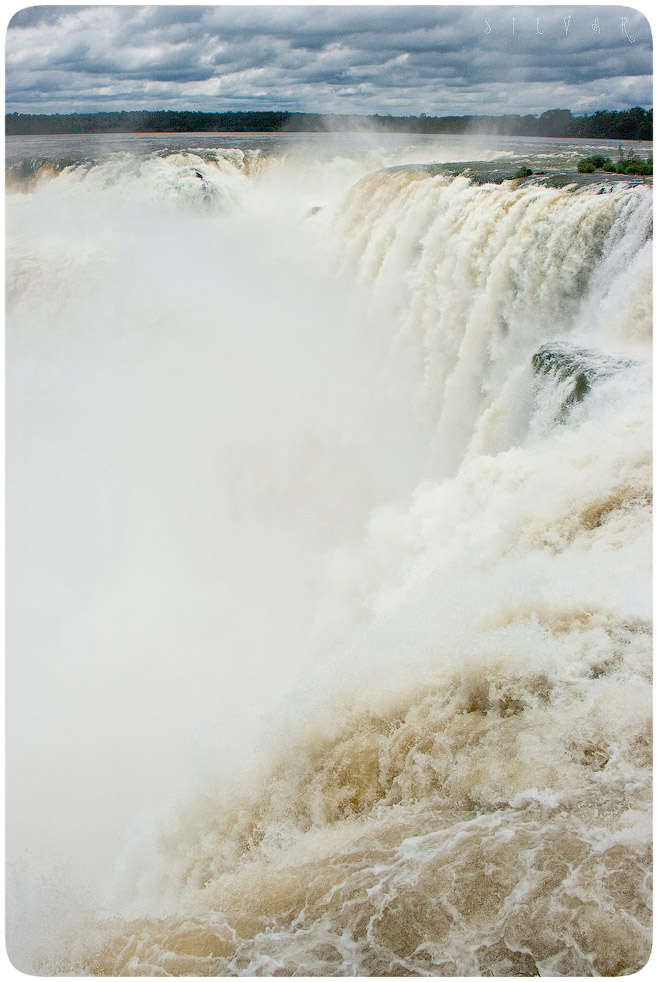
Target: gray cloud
<point>356,59</point>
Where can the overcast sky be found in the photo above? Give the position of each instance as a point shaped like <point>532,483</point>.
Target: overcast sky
<point>440,60</point>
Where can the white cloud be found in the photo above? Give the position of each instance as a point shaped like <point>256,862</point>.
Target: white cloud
<point>349,59</point>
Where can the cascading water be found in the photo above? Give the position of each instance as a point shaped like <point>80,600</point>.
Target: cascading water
<point>329,552</point>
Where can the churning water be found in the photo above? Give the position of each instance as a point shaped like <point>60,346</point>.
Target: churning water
<point>329,493</point>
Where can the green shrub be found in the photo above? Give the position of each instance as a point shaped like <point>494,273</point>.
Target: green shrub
<point>625,165</point>
<point>523,172</point>
<point>639,167</point>
<point>634,165</point>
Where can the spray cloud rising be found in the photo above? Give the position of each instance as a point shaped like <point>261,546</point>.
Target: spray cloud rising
<point>329,568</point>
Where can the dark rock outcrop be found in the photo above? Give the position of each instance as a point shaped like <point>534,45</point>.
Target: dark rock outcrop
<point>583,367</point>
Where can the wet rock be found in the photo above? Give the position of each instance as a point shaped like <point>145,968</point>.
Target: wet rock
<point>583,367</point>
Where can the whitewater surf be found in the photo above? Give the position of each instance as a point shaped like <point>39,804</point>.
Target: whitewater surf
<point>329,558</point>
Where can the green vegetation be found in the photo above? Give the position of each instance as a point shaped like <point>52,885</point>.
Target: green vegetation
<point>632,164</point>
<point>148,122</point>
<point>631,124</point>
<point>523,172</point>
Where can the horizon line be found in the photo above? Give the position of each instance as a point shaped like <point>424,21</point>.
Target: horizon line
<point>305,112</point>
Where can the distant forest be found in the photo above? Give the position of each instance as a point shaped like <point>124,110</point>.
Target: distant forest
<point>631,124</point>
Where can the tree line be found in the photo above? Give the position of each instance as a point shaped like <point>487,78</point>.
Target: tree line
<point>630,124</point>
